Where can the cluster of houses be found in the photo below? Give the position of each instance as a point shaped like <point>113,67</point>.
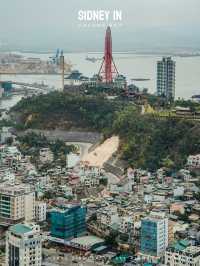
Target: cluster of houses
<point>137,208</point>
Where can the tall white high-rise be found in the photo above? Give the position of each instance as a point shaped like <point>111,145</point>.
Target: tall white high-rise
<point>166,78</point>
<point>24,245</point>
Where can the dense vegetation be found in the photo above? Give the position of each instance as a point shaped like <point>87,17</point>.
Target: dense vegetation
<point>31,143</point>
<point>146,141</point>
<point>67,110</point>
<point>150,143</point>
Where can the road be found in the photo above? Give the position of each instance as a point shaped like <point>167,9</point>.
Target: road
<point>54,258</point>
<point>84,147</point>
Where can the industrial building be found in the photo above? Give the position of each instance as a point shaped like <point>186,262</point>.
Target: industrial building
<point>68,221</point>
<point>24,245</point>
<point>166,78</point>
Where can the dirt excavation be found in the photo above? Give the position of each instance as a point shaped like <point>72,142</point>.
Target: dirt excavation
<point>102,153</point>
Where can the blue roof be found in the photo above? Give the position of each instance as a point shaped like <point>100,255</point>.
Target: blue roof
<point>180,245</point>
<point>20,229</point>
<point>101,248</point>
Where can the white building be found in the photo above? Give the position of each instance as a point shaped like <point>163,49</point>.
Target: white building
<point>67,190</point>
<point>24,245</point>
<point>190,256</point>
<point>194,161</point>
<point>10,155</point>
<point>179,191</point>
<point>46,155</point>
<point>5,134</point>
<point>1,90</point>
<point>17,203</point>
<point>89,181</point>
<point>40,211</point>
<point>72,160</point>
<point>127,225</point>
<point>185,174</point>
<point>148,198</point>
<point>89,176</point>
<point>7,175</point>
<point>108,216</point>
<point>166,78</point>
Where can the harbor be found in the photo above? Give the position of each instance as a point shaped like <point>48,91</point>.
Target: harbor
<point>135,65</point>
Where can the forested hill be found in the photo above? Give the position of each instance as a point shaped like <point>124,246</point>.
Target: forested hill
<point>64,110</point>
<point>146,141</point>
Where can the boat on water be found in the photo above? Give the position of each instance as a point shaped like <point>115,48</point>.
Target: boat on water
<point>91,59</point>
<point>140,79</point>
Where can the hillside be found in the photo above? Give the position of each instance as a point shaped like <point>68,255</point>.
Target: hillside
<point>145,141</point>
<point>63,110</point>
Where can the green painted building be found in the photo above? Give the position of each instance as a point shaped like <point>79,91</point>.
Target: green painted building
<point>68,221</point>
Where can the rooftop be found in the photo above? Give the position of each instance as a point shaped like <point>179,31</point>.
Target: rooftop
<point>180,245</point>
<point>15,189</point>
<point>192,250</point>
<point>20,229</point>
<point>87,240</point>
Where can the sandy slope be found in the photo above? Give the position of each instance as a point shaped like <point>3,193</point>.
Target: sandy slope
<point>103,152</point>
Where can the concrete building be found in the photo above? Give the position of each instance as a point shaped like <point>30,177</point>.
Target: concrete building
<point>23,245</point>
<point>17,203</point>
<point>5,134</point>
<point>108,216</point>
<point>67,190</point>
<point>75,78</point>
<point>6,174</point>
<point>68,221</point>
<point>181,254</point>
<point>171,231</point>
<point>40,211</point>
<point>193,161</point>
<point>127,226</point>
<point>166,78</point>
<point>1,90</point>
<point>154,235</point>
<point>46,155</point>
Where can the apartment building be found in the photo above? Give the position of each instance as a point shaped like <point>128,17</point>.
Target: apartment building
<point>17,203</point>
<point>181,254</point>
<point>166,78</point>
<point>24,245</point>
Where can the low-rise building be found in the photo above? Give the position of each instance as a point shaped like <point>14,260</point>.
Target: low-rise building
<point>193,161</point>
<point>108,216</point>
<point>181,254</point>
<point>5,134</point>
<point>46,155</point>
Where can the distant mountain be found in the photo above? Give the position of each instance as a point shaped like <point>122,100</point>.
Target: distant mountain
<point>92,39</point>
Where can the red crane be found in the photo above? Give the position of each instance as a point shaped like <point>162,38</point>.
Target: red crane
<point>108,68</point>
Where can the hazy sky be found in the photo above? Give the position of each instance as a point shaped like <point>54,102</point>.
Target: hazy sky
<point>45,24</point>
